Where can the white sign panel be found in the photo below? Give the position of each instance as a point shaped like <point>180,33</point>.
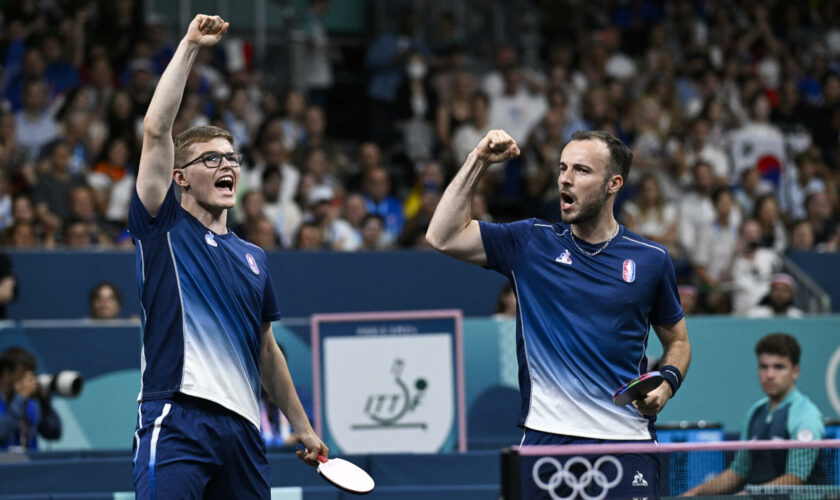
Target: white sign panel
<point>389,394</point>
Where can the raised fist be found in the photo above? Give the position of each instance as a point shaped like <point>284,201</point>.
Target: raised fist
<point>497,146</point>
<point>206,31</point>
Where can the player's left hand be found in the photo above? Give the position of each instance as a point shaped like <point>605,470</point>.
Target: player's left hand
<point>314,447</point>
<point>655,400</point>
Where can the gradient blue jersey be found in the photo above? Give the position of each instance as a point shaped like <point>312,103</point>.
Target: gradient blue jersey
<point>204,297</point>
<point>582,323</point>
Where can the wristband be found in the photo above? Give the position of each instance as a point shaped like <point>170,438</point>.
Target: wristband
<point>672,376</point>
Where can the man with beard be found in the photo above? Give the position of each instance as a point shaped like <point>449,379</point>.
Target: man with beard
<point>587,291</point>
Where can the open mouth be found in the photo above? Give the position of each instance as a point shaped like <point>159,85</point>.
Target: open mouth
<point>225,184</point>
<point>566,201</point>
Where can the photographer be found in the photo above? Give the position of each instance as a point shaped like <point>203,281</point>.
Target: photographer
<point>25,408</point>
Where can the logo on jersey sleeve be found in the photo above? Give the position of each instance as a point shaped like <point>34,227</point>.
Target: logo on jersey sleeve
<point>565,258</point>
<point>253,263</point>
<point>210,240</point>
<point>628,271</point>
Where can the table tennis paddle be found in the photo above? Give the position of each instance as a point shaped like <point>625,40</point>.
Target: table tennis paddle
<point>344,475</point>
<point>637,388</point>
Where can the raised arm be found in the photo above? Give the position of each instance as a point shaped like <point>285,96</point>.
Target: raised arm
<point>275,377</point>
<point>452,229</point>
<point>158,154</point>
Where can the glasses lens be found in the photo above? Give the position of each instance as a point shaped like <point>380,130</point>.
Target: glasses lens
<point>234,158</point>
<point>213,160</point>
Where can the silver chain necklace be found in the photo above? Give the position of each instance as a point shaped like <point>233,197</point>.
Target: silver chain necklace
<point>603,247</point>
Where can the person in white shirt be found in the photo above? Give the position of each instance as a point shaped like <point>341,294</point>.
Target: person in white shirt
<point>779,302</point>
<point>752,270</point>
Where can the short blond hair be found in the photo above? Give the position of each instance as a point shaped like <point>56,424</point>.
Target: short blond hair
<point>195,135</point>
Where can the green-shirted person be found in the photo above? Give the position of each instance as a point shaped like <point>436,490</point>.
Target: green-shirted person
<point>784,413</point>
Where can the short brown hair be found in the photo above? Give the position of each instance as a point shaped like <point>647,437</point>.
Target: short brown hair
<point>193,135</point>
<point>780,344</point>
<point>621,157</point>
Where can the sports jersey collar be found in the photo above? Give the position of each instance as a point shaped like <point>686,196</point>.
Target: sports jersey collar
<point>792,395</point>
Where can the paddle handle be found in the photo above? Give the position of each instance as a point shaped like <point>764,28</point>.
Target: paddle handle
<point>321,458</point>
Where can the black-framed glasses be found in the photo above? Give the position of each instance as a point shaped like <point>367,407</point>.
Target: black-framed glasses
<point>213,159</point>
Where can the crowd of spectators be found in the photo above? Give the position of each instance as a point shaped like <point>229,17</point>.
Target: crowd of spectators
<point>732,109</point>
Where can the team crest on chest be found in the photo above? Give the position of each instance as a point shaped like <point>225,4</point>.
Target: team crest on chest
<point>210,240</point>
<point>253,263</point>
<point>565,258</point>
<point>628,271</point>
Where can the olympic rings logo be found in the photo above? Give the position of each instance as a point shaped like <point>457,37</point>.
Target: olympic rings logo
<point>578,485</point>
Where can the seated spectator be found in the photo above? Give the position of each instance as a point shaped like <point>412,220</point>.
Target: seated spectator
<point>52,191</point>
<point>801,237</point>
<point>377,187</point>
<point>456,110</point>
<point>752,269</point>
<point>688,299</point>
<point>505,303</point>
<point>699,148</point>
<point>294,132</point>
<point>278,208</point>
<point>801,180</point>
<point>34,125</point>
<point>355,211</point>
<point>25,409</point>
<point>23,235</point>
<point>820,214</point>
<point>773,231</point>
<point>695,207</point>
<point>272,153</point>
<point>779,302</point>
<point>83,208</point>
<point>323,212</point>
<point>751,188</point>
<point>373,233</point>
<point>13,155</point>
<point>261,233</point>
<point>430,179</point>
<point>310,237</point>
<point>77,234</point>
<point>469,134</point>
<point>112,178</point>
<point>413,234</point>
<point>104,301</point>
<point>315,123</point>
<point>713,255</point>
<point>650,215</point>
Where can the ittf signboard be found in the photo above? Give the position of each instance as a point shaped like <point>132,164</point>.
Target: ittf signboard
<point>389,382</point>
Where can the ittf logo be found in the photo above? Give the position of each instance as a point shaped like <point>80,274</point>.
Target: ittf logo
<point>628,271</point>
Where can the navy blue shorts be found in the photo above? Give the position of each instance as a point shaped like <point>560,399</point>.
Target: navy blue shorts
<point>190,448</point>
<point>631,475</point>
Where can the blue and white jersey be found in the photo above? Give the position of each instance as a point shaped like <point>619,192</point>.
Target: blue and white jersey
<point>582,323</point>
<point>204,297</point>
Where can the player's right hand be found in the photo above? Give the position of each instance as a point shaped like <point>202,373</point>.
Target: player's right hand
<point>206,31</point>
<point>496,146</point>
<point>314,447</point>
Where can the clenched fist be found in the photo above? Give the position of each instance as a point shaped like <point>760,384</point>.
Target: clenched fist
<point>206,31</point>
<point>496,146</point>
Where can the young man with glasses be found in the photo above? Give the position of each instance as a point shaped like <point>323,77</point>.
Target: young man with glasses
<point>207,305</point>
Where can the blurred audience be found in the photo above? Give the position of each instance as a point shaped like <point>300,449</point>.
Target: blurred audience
<point>739,95</point>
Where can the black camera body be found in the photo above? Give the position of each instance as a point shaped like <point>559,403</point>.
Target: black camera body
<point>66,383</point>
